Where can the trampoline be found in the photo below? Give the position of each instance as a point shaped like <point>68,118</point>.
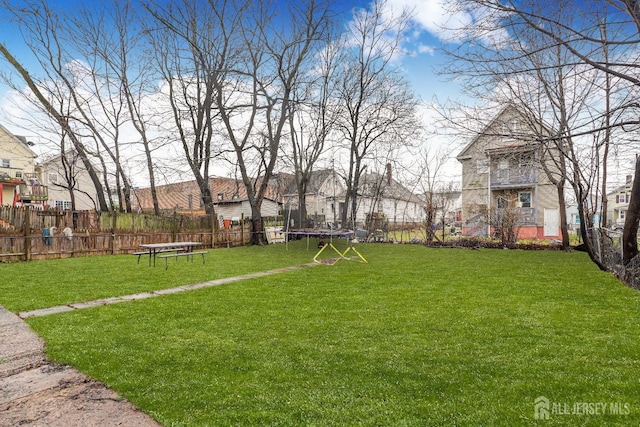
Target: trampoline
<point>329,234</point>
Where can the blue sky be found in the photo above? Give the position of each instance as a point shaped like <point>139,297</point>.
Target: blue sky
<point>421,59</point>
<point>422,44</point>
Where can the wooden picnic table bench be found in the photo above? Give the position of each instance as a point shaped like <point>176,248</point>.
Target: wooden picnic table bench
<point>139,254</point>
<point>153,249</point>
<point>179,254</point>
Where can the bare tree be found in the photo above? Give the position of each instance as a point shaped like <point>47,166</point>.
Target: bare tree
<point>235,75</point>
<point>47,104</point>
<point>504,218</point>
<point>311,119</point>
<point>192,49</point>
<point>378,105</point>
<point>566,52</point>
<point>432,186</point>
<point>75,56</point>
<point>120,55</point>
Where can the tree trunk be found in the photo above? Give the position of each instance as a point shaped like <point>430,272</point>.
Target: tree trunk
<point>62,122</point>
<point>257,235</point>
<point>563,216</point>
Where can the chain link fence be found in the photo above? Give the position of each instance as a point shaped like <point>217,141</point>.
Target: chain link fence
<point>607,245</point>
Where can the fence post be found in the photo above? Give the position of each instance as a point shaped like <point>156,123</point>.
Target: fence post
<point>242,228</point>
<point>174,226</point>
<point>214,222</point>
<point>27,232</point>
<point>114,222</point>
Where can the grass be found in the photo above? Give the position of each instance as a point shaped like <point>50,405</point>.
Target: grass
<point>416,337</point>
<point>42,284</point>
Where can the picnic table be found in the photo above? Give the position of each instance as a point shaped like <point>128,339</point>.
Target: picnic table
<point>153,249</point>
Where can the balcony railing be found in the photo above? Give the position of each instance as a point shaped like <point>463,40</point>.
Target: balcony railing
<point>33,193</point>
<point>513,177</point>
<point>15,175</point>
<point>526,216</point>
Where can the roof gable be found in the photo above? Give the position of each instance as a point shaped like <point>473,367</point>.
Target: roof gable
<point>374,184</point>
<point>496,128</point>
<point>7,137</point>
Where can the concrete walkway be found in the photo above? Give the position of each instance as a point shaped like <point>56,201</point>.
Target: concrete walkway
<point>37,392</point>
<point>144,295</point>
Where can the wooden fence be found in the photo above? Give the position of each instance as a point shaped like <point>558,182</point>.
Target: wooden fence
<point>25,234</point>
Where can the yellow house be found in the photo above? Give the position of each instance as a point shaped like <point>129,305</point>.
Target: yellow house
<point>17,167</point>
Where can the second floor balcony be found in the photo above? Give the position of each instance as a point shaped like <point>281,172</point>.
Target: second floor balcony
<point>513,177</point>
<point>33,193</point>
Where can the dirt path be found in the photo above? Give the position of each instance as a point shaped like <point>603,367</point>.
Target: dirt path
<point>36,392</point>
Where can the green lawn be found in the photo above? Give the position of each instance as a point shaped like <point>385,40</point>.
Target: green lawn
<point>416,337</point>
<point>41,284</point>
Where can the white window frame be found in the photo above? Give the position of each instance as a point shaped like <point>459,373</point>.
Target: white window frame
<point>523,204</point>
<point>63,205</point>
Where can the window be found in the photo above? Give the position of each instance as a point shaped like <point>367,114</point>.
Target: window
<point>63,205</point>
<point>5,163</point>
<point>503,164</point>
<point>18,174</point>
<point>483,166</point>
<point>622,198</point>
<point>53,178</point>
<point>525,199</point>
<point>220,196</point>
<point>622,215</point>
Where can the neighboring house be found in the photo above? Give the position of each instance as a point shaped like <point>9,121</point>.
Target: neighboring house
<point>323,204</point>
<point>229,198</point>
<point>382,197</point>
<point>54,176</point>
<point>501,171</point>
<point>19,183</point>
<point>618,204</point>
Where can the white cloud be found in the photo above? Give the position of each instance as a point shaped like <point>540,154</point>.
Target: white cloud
<point>422,48</point>
<point>450,20</point>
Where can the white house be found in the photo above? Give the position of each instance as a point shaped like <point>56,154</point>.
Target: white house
<point>383,198</point>
<point>70,187</point>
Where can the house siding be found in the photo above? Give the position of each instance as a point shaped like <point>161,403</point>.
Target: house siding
<point>84,192</point>
<point>20,159</point>
<point>618,203</point>
<point>494,164</point>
